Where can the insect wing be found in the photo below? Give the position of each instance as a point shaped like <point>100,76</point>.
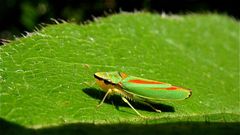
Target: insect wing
<point>153,90</point>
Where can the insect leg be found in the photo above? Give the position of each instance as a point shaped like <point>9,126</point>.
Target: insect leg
<point>105,96</point>
<point>147,104</point>
<point>126,101</point>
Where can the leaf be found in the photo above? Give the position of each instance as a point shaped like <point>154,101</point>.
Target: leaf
<point>43,75</point>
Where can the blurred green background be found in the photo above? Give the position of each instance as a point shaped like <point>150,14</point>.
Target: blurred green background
<point>19,16</point>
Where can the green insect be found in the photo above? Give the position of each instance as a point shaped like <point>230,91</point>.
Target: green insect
<point>138,89</point>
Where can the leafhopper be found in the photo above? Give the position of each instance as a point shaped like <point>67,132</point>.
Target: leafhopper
<point>138,89</point>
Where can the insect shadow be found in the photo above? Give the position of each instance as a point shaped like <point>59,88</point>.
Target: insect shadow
<point>117,101</point>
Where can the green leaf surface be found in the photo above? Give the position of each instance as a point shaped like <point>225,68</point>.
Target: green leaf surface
<point>43,75</point>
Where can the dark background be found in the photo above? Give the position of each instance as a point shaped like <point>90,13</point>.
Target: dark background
<point>19,16</point>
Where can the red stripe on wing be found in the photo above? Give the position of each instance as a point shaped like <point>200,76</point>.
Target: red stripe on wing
<point>170,88</point>
<point>144,82</point>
